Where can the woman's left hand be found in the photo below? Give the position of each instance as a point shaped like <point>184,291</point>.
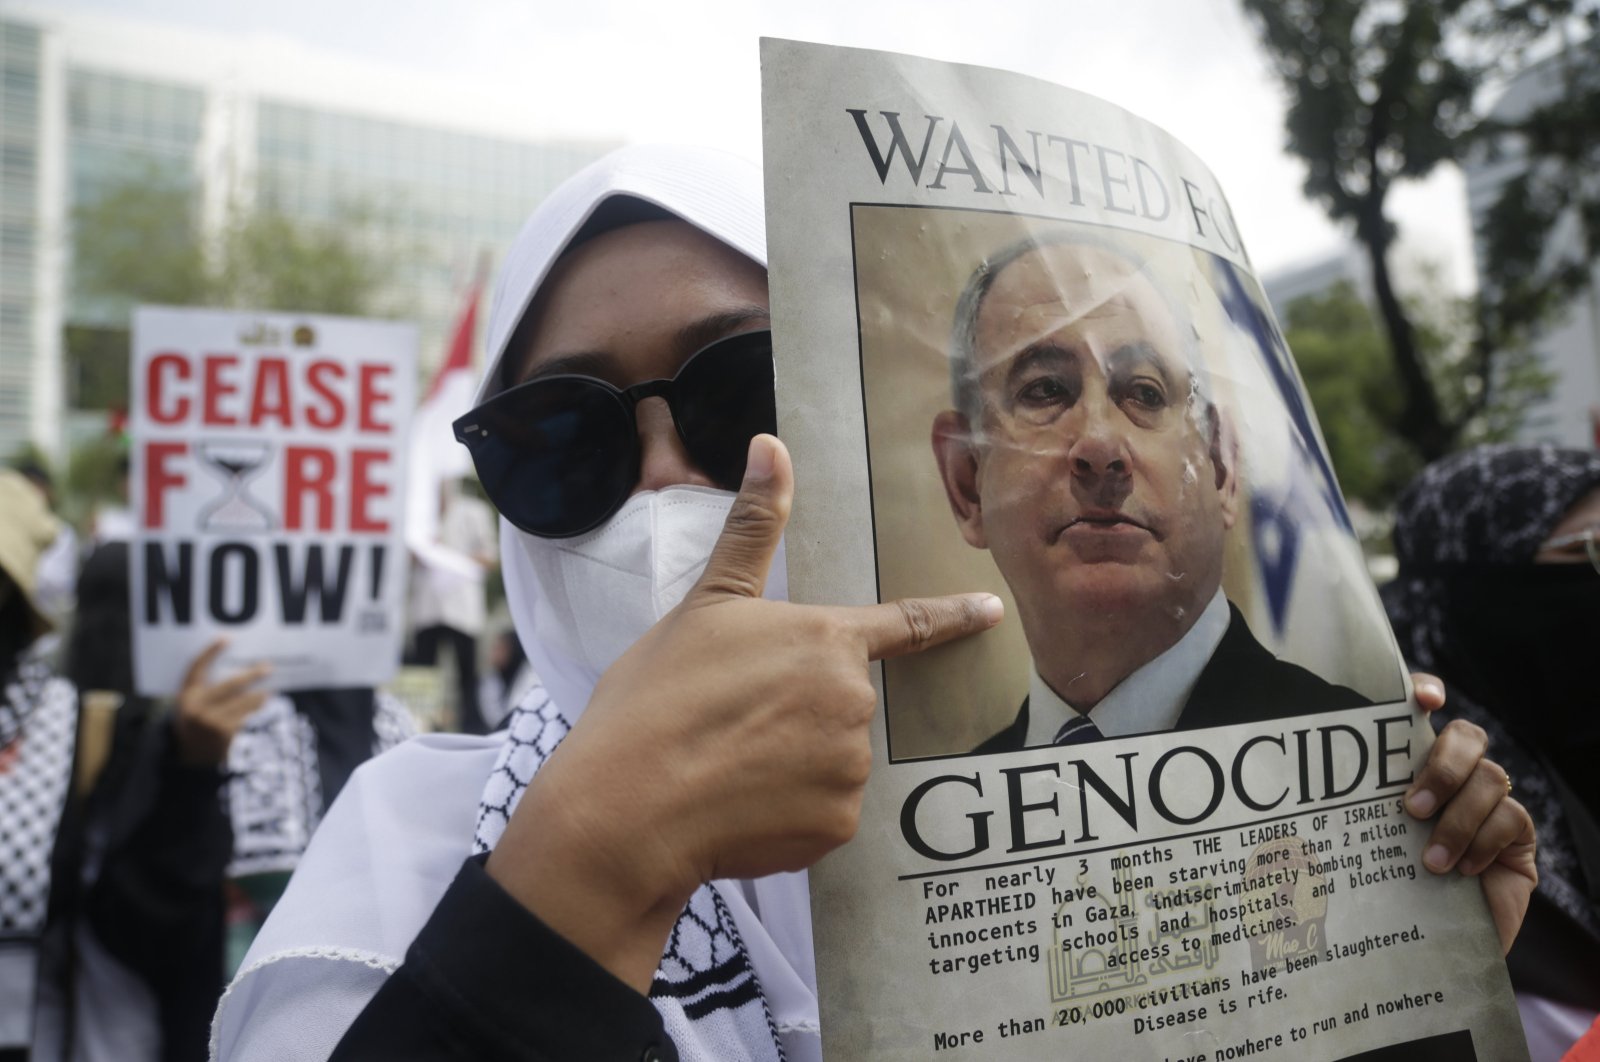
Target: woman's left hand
<point>1480,830</point>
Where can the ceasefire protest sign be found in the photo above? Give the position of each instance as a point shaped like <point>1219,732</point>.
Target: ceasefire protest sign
<point>268,480</point>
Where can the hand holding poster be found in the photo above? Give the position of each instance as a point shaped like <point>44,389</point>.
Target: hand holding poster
<point>268,482</point>
<point>1022,350</point>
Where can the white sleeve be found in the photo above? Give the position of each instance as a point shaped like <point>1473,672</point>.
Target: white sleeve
<point>294,1007</point>
<point>376,867</point>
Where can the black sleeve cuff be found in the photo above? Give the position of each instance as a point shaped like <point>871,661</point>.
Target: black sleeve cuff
<point>486,979</point>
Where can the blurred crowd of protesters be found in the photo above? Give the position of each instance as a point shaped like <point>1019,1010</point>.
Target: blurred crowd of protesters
<point>143,842</point>
<point>447,601</point>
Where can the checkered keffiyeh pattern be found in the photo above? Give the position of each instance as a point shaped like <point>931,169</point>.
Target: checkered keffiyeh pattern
<point>705,988</point>
<point>1490,505</point>
<point>274,794</point>
<point>274,791</point>
<point>35,773</point>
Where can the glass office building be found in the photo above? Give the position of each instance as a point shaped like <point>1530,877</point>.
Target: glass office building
<point>79,123</point>
<point>437,198</point>
<point>20,238</point>
<point>1568,345</point>
<point>124,129</point>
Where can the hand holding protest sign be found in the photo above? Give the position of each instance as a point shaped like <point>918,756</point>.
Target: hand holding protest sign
<point>1480,829</point>
<point>209,713</point>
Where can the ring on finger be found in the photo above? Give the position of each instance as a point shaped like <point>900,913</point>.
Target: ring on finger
<point>1508,785</point>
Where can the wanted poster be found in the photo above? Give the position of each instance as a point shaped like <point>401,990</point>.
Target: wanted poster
<point>268,480</point>
<point>1157,812</point>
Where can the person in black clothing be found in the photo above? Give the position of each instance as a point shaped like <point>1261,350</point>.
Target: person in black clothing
<point>160,831</point>
<point>1498,592</point>
<point>73,999</point>
<point>39,823</point>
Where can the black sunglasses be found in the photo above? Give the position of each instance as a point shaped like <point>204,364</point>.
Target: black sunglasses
<point>559,455</point>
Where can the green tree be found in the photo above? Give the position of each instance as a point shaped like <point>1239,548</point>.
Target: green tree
<point>27,454</point>
<point>1354,384</point>
<point>1383,91</point>
<point>270,261</point>
<point>1347,372</point>
<point>140,240</point>
<point>1532,276</point>
<point>95,475</point>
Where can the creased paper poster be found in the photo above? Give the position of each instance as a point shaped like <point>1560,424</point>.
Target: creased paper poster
<point>268,480</point>
<point>1157,812</point>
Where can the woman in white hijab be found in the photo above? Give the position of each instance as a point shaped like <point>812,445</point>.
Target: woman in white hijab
<point>643,895</point>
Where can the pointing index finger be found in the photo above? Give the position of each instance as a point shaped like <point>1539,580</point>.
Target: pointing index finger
<point>913,624</point>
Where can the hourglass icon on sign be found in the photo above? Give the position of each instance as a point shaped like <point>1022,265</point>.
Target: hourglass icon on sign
<point>236,463</point>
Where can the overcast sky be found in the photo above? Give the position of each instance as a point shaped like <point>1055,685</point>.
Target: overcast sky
<point>640,70</point>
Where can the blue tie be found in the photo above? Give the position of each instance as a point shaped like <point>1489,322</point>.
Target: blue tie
<point>1077,732</point>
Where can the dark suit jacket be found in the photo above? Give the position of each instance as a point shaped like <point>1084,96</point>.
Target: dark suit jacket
<point>1242,683</point>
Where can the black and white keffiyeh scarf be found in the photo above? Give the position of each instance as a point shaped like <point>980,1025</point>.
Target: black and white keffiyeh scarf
<point>1488,507</point>
<point>277,766</point>
<point>705,987</point>
<point>38,722</point>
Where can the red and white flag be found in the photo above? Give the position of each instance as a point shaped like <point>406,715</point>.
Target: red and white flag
<point>435,457</point>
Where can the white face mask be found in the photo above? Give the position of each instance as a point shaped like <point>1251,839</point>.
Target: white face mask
<point>600,592</point>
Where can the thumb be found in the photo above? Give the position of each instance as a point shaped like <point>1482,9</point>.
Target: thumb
<point>1429,690</point>
<point>743,554</point>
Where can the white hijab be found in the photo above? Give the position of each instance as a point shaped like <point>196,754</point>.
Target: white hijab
<point>717,193</point>
<point>391,844</point>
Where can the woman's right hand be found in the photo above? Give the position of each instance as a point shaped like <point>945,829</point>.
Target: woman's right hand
<point>732,740</point>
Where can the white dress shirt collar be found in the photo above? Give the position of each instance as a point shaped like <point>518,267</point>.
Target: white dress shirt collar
<point>1151,699</point>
